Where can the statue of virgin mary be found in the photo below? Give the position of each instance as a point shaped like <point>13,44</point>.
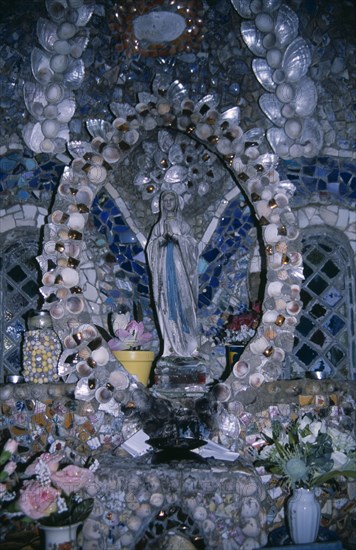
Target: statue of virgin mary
<point>172,254</point>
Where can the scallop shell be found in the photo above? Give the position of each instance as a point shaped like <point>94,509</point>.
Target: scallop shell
<point>312,135</point>
<point>85,11</point>
<point>279,141</point>
<point>306,97</point>
<point>253,38</point>
<point>243,8</point>
<point>286,27</point>
<point>35,98</point>
<point>66,109</point>
<point>74,75</point>
<point>272,107</point>
<point>56,9</point>
<point>176,93</point>
<point>230,116</point>
<point>296,60</point>
<point>99,128</point>
<point>40,66</point>
<point>78,148</point>
<point>79,43</point>
<point>123,110</point>
<point>176,174</point>
<point>210,102</point>
<point>33,136</point>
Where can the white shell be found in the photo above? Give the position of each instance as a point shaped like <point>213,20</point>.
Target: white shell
<point>54,93</point>
<point>296,60</point>
<point>83,369</point>
<point>253,38</point>
<point>256,380</point>
<point>70,277</point>
<point>119,380</point>
<point>241,369</point>
<point>264,74</point>
<point>259,345</point>
<point>97,174</point>
<point>40,66</point>
<point>306,97</point>
<point>75,305</point>
<point>101,355</point>
<point>286,27</point>
<point>271,106</point>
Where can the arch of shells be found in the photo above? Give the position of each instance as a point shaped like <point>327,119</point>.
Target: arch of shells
<point>58,71</point>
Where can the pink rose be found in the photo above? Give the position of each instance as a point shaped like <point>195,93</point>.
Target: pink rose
<point>11,446</point>
<point>72,478</point>
<point>10,467</point>
<point>38,501</point>
<point>52,460</point>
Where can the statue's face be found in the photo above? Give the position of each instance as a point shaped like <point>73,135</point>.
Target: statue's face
<point>169,203</point>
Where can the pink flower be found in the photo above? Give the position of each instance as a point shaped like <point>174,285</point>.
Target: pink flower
<point>37,501</point>
<point>10,467</point>
<point>11,446</point>
<point>133,336</point>
<point>52,460</point>
<point>72,478</point>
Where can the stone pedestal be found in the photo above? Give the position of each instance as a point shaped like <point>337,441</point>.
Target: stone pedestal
<point>176,376</point>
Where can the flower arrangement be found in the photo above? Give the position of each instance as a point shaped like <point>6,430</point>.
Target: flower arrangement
<point>307,453</point>
<point>129,334</point>
<point>239,328</point>
<point>51,493</point>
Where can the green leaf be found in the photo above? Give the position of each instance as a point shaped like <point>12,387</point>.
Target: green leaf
<point>324,478</point>
<point>4,457</point>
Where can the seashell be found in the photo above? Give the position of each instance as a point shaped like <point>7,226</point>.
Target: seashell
<point>57,311</point>
<point>84,11</point>
<point>58,217</point>
<point>76,221</point>
<point>207,105</point>
<point>176,93</point>
<point>271,234</point>
<point>286,27</point>
<point>243,8</point>
<point>66,30</point>
<point>99,128</point>
<point>176,174</point>
<point>259,345</point>
<point>222,392</point>
<point>241,369</point>
<point>62,293</point>
<point>311,137</point>
<point>79,43</point>
<point>70,277</point>
<point>48,278</point>
<point>46,33</point>
<point>293,128</point>
<point>56,9</point>
<point>35,98</point>
<point>306,97</point>
<point>83,369</point>
<point>281,200</point>
<point>59,63</point>
<point>250,507</point>
<point>131,137</point>
<point>75,305</point>
<point>101,356</point>
<point>50,128</point>
<point>40,66</point>
<point>66,109</point>
<point>200,513</point>
<point>246,486</point>
<point>85,389</point>
<point>272,107</point>
<point>84,195</point>
<point>231,117</point>
<point>278,354</point>
<point>251,529</point>
<point>157,499</point>
<point>270,316</point>
<point>74,75</point>
<point>111,154</point>
<point>270,333</point>
<point>97,174</point>
<point>103,394</point>
<point>282,275</point>
<point>51,111</point>
<point>256,380</point>
<point>62,47</point>
<point>253,38</point>
<point>296,60</point>
<point>79,148</point>
<point>279,141</point>
<point>275,288</point>
<point>293,308</point>
<point>295,289</point>
<point>33,136</point>
<point>285,92</point>
<point>264,22</point>
<point>123,110</point>
<point>274,57</point>
<point>280,304</point>
<point>119,380</point>
<point>54,93</point>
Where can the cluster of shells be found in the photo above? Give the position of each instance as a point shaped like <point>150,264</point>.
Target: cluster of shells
<point>281,65</point>
<point>57,70</point>
<point>125,505</point>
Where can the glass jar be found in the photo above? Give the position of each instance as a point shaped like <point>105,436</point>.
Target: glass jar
<point>41,350</point>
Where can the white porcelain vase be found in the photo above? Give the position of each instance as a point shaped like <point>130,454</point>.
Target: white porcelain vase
<point>55,537</point>
<point>303,512</point>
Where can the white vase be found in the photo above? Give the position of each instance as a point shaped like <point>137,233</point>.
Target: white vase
<point>303,512</point>
<point>56,536</point>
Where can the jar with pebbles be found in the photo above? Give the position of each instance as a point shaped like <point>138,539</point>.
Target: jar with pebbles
<point>41,350</point>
